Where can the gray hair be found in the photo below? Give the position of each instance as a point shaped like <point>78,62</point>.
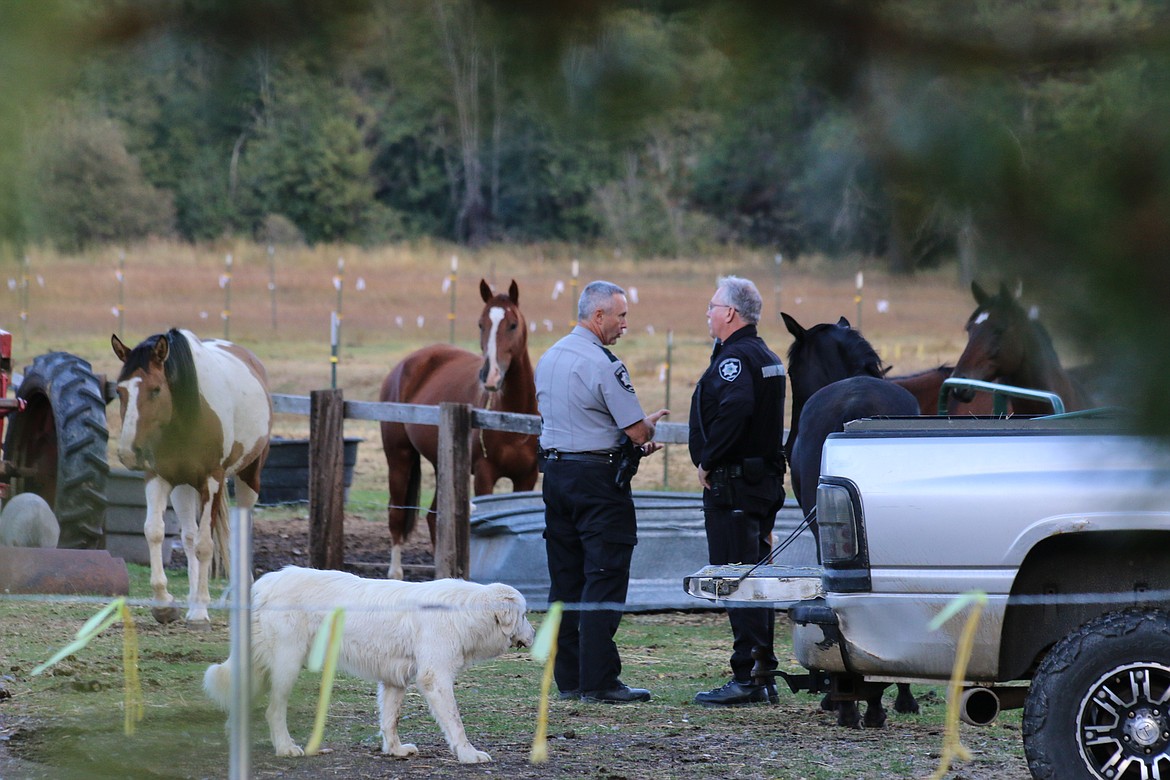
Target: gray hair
<point>596,295</point>
<point>743,296</point>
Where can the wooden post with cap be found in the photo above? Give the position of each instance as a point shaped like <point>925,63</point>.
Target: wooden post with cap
<point>453,492</point>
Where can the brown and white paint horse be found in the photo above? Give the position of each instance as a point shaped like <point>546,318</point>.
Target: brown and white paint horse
<point>500,377</point>
<point>193,414</point>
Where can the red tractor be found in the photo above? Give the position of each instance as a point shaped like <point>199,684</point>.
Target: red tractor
<point>55,444</point>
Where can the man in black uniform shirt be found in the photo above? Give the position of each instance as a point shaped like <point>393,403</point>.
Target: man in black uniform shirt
<point>736,438</point>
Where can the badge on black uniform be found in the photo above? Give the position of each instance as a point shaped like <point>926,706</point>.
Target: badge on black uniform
<point>729,369</point>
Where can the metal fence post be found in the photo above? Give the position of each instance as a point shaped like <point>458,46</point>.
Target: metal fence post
<point>241,645</point>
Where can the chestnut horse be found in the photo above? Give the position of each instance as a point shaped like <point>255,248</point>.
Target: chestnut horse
<point>926,385</point>
<point>193,414</point>
<point>499,378</point>
<point>1005,344</point>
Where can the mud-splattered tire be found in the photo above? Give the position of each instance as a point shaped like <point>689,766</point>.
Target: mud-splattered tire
<point>59,441</point>
<point>1098,707</point>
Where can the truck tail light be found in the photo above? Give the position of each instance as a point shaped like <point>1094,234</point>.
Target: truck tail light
<point>843,551</point>
<point>838,523</point>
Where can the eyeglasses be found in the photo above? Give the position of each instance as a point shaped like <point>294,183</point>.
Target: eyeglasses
<point>713,305</point>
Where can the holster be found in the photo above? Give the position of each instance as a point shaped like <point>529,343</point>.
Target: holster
<point>629,458</point>
<point>753,486</point>
<point>719,494</point>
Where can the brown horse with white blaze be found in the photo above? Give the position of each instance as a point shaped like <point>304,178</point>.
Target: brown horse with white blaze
<point>500,378</point>
<point>1009,345</point>
<point>194,413</point>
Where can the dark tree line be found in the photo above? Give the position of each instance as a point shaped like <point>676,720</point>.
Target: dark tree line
<point>663,126</point>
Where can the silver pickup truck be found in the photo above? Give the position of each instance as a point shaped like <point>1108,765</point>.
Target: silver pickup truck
<point>1062,521</point>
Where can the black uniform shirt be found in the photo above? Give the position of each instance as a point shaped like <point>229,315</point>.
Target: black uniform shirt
<point>737,410</point>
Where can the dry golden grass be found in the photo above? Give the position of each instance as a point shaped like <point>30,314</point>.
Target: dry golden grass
<point>393,300</point>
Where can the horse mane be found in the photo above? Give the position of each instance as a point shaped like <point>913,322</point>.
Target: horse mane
<point>181,376</point>
<point>179,369</point>
<point>856,354</point>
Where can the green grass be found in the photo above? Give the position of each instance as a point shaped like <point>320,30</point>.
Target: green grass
<point>72,716</point>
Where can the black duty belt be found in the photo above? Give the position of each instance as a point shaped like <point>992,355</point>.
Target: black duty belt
<point>596,456</point>
<point>735,470</point>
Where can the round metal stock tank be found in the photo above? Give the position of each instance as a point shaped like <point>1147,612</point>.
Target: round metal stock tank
<point>507,546</point>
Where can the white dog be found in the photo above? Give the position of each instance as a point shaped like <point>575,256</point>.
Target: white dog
<point>26,520</point>
<point>396,634</point>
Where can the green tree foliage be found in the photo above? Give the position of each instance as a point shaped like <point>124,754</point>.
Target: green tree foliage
<point>305,157</point>
<point>878,129</point>
<point>87,189</point>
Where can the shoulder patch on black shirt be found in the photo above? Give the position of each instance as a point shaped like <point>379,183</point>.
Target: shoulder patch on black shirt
<point>623,378</point>
<point>729,369</point>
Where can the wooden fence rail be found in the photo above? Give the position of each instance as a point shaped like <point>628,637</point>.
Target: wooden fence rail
<point>453,505</point>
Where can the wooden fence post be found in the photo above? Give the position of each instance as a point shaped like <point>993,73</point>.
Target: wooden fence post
<point>453,521</point>
<point>326,479</point>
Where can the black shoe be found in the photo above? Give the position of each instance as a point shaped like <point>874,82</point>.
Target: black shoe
<point>735,693</point>
<point>622,694</point>
<point>573,695</point>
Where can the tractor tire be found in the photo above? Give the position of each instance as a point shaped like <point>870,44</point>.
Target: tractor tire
<point>1097,709</point>
<point>58,445</point>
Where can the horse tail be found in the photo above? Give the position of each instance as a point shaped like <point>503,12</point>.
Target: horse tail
<point>221,555</point>
<point>410,516</point>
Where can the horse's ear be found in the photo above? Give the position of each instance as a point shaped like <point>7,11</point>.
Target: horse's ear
<point>485,291</point>
<point>120,349</point>
<point>981,296</point>
<point>843,323</point>
<point>514,292</point>
<point>162,348</point>
<point>793,326</point>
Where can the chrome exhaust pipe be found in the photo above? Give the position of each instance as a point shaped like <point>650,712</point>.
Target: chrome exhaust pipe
<point>980,706</point>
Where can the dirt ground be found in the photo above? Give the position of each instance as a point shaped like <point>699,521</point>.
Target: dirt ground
<point>277,543</point>
<point>915,324</point>
<point>792,740</point>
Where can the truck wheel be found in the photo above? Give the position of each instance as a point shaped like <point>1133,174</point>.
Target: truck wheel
<point>1100,702</point>
<point>58,444</point>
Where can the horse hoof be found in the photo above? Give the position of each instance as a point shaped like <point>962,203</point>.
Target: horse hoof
<point>165,615</point>
<point>906,708</point>
<point>905,703</point>
<point>848,715</point>
<point>875,720</point>
<point>199,625</point>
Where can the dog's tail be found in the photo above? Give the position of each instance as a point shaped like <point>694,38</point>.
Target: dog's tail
<point>217,684</point>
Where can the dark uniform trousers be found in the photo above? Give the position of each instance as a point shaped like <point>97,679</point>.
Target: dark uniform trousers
<point>740,533</point>
<point>590,533</point>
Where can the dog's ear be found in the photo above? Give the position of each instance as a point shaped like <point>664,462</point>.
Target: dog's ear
<point>511,604</point>
<point>510,615</point>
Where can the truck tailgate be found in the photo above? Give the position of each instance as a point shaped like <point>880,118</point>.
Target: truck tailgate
<point>777,585</point>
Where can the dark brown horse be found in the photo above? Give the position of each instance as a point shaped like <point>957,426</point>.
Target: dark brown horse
<point>837,377</point>
<point>1005,344</point>
<point>499,378</point>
